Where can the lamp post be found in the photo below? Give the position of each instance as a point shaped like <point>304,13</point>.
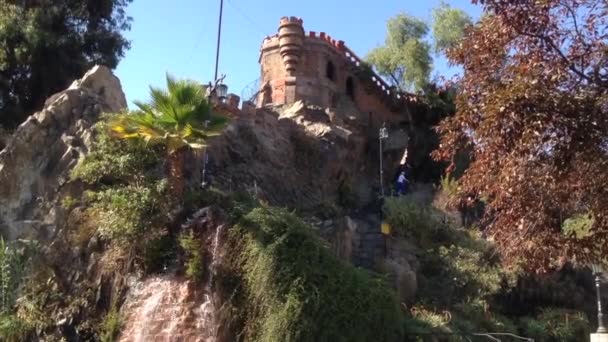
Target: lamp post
<point>382,134</point>
<point>597,270</point>
<point>219,35</point>
<point>218,90</point>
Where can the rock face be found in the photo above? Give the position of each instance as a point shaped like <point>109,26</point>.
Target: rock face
<point>292,156</point>
<point>36,161</point>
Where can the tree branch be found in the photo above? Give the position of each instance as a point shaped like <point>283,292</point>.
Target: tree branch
<point>552,44</point>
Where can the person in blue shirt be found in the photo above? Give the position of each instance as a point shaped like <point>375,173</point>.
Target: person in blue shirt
<point>402,183</point>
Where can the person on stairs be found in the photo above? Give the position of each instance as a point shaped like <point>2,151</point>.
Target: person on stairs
<point>402,183</point>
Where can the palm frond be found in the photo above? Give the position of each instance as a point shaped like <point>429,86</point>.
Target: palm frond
<point>178,116</point>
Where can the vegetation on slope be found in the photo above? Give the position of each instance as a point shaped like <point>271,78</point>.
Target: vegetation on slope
<point>461,280</point>
<point>295,290</point>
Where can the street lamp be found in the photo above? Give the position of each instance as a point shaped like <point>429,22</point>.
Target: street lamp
<point>218,90</point>
<point>382,135</point>
<point>221,91</point>
<point>597,270</point>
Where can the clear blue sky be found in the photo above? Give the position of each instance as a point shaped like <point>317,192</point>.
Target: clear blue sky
<point>179,37</point>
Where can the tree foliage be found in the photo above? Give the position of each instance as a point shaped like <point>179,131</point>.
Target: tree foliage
<point>45,44</point>
<point>533,108</point>
<point>404,59</point>
<point>449,25</point>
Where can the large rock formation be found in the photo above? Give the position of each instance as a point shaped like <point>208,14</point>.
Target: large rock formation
<point>36,161</point>
<point>294,156</point>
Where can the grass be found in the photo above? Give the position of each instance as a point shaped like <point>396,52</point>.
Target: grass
<point>111,326</point>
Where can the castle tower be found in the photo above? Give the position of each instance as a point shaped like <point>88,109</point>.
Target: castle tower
<point>291,41</point>
<point>315,68</point>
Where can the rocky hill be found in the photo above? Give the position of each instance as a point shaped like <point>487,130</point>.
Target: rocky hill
<point>283,243</point>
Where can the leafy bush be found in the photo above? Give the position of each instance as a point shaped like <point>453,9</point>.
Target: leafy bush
<point>295,290</point>
<point>459,272</point>
<point>68,202</point>
<point>114,161</point>
<point>417,223</point>
<point>556,325</point>
<point>13,329</point>
<point>158,253</point>
<point>579,225</point>
<point>125,213</point>
<point>194,254</point>
<point>463,274</point>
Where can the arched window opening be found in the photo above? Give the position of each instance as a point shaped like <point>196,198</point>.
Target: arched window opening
<point>330,71</point>
<point>350,88</point>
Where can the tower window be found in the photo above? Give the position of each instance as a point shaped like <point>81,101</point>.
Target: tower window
<point>330,71</point>
<point>350,88</point>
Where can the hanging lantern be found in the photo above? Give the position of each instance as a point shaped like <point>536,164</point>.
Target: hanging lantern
<point>221,91</point>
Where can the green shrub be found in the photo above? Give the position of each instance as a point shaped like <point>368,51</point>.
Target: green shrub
<point>459,271</point>
<point>13,329</point>
<point>453,274</point>
<point>347,197</point>
<point>579,225</point>
<point>419,224</point>
<point>111,325</point>
<point>158,253</point>
<point>113,160</point>
<point>12,269</point>
<point>194,256</point>
<point>296,290</point>
<point>236,204</point>
<point>553,325</point>
<point>125,213</point>
<point>68,202</point>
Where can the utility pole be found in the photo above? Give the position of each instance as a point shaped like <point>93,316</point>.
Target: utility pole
<point>215,89</point>
<point>219,35</point>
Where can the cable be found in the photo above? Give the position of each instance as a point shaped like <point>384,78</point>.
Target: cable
<point>196,44</point>
<point>248,18</point>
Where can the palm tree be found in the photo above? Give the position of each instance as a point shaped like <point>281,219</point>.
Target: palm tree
<point>180,118</point>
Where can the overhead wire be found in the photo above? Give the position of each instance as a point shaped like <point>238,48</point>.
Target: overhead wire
<point>252,22</point>
<point>242,13</point>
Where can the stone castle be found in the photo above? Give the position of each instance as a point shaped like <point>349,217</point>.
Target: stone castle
<point>322,71</point>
